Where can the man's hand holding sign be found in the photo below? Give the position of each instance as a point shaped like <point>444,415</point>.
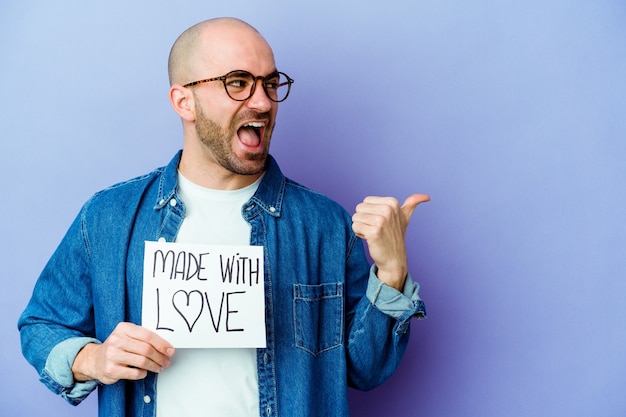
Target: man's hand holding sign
<point>128,353</point>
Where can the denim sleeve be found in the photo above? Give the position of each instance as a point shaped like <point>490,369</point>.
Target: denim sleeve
<point>57,374</point>
<point>399,305</point>
<point>379,328</point>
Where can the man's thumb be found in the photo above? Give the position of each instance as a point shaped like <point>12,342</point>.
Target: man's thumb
<point>411,202</point>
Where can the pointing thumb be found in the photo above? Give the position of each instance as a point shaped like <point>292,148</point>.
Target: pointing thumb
<point>411,202</point>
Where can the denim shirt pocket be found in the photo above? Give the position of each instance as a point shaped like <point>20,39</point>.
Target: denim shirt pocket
<point>318,316</point>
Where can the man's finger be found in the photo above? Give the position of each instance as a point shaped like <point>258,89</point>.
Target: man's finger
<point>411,202</point>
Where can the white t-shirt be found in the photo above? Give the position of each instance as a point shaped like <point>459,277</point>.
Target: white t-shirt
<point>211,382</point>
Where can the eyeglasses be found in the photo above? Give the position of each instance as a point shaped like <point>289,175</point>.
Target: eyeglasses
<point>240,85</point>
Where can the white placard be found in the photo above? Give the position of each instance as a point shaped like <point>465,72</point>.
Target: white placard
<point>204,295</point>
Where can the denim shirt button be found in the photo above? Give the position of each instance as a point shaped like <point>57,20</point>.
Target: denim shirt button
<point>147,399</point>
<point>173,202</point>
<point>273,209</point>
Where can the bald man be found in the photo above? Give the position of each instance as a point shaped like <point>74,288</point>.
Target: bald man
<point>332,320</point>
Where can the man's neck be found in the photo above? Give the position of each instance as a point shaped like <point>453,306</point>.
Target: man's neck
<point>212,175</point>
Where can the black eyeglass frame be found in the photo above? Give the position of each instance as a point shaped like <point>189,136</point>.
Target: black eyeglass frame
<point>263,79</point>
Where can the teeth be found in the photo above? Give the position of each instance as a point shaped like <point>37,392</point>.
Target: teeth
<point>255,124</point>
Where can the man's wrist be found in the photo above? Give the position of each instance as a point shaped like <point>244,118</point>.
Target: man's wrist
<point>393,278</point>
<point>83,362</point>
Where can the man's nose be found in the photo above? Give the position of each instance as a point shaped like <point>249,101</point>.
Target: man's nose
<point>259,99</point>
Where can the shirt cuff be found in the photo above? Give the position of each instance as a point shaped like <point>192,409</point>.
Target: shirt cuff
<point>392,302</point>
<point>58,376</point>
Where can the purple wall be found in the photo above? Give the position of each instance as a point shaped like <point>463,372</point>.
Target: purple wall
<point>512,115</point>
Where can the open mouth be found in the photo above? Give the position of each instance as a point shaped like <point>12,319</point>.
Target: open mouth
<point>251,133</point>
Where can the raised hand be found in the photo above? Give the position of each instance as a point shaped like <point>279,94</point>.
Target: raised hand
<point>382,222</point>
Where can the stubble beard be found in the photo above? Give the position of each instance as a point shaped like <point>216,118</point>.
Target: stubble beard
<point>218,142</point>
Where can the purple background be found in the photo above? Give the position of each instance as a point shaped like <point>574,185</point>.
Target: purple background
<point>512,115</point>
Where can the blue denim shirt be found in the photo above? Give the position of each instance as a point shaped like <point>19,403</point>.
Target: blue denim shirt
<point>330,322</point>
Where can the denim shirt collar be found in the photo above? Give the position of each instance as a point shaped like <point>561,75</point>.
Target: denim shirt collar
<point>271,191</point>
<point>269,196</point>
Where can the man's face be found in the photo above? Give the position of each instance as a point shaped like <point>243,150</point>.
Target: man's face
<point>236,134</point>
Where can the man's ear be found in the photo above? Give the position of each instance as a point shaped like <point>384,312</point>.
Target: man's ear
<point>182,100</point>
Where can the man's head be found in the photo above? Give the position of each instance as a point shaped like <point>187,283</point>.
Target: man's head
<point>222,137</point>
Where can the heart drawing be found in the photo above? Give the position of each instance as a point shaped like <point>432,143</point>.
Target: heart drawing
<point>189,305</point>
